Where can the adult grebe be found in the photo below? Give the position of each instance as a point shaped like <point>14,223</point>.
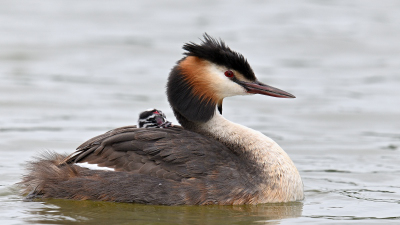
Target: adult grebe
<point>209,160</point>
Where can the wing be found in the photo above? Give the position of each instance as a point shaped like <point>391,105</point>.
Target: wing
<point>169,153</point>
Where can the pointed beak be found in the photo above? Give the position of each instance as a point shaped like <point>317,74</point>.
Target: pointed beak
<point>260,88</point>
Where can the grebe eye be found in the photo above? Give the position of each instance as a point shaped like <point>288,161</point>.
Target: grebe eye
<point>229,73</point>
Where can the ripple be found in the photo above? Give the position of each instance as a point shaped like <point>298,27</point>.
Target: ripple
<point>29,129</point>
<point>381,134</point>
<point>354,217</point>
<point>327,171</point>
<point>365,194</point>
<point>391,147</point>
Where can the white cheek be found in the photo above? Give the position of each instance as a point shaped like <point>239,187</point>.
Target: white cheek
<point>222,84</point>
<point>229,88</point>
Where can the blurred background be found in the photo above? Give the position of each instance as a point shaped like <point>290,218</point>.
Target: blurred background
<point>70,70</point>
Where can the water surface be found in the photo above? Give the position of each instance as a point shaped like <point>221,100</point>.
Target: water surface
<point>72,70</point>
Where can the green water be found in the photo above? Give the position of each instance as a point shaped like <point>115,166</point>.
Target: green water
<point>89,212</point>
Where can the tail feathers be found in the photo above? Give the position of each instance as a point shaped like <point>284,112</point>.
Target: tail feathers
<point>45,169</point>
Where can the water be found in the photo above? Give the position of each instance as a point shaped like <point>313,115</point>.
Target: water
<point>72,70</point>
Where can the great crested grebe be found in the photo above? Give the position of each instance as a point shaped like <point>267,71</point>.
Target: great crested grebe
<point>209,160</point>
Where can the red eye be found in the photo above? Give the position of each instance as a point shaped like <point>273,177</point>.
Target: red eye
<point>228,73</point>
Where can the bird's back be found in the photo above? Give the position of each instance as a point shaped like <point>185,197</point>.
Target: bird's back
<point>156,166</point>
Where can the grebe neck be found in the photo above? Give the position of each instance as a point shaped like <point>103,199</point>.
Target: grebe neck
<point>279,177</point>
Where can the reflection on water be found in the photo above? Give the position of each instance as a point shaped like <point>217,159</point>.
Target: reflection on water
<point>90,212</point>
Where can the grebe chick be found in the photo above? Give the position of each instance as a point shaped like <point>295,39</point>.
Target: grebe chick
<point>153,118</point>
<point>209,160</point>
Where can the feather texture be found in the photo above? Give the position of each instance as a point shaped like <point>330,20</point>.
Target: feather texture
<point>158,166</point>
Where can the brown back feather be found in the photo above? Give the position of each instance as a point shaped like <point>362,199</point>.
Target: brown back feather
<point>154,166</point>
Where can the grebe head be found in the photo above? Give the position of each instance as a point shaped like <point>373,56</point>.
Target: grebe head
<point>153,118</point>
<point>208,73</point>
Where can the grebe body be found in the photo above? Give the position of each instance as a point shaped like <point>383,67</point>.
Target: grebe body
<point>209,160</point>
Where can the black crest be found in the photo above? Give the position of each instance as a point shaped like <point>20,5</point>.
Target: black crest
<point>217,52</point>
